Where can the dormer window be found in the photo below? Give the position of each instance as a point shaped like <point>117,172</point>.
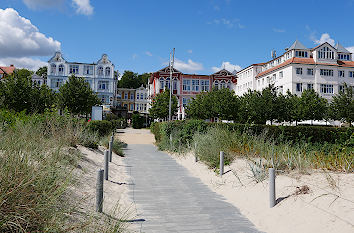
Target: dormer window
<point>301,54</point>
<point>61,69</point>
<point>108,71</point>
<point>345,57</point>
<point>325,53</point>
<point>53,68</point>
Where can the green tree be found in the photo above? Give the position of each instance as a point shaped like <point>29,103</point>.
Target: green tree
<point>17,92</point>
<point>252,108</point>
<point>342,105</point>
<point>42,72</point>
<point>269,100</point>
<point>313,106</point>
<point>77,96</point>
<point>133,80</point>
<point>294,108</point>
<point>200,107</point>
<point>160,105</point>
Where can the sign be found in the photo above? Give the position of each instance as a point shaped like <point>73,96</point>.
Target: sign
<point>97,113</point>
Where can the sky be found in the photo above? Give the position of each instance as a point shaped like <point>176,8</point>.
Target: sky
<point>139,35</point>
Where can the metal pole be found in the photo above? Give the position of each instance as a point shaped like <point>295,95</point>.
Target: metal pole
<point>106,159</point>
<point>99,191</point>
<point>272,187</point>
<point>221,163</point>
<point>110,151</point>
<point>171,68</point>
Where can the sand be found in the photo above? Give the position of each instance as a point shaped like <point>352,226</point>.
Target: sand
<point>328,206</point>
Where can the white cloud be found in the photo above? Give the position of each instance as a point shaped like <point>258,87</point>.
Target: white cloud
<point>189,51</point>
<point>83,7</point>
<point>230,23</point>
<point>20,38</point>
<point>188,67</point>
<point>23,62</point>
<point>350,49</point>
<point>228,66</point>
<point>148,53</point>
<point>36,4</point>
<point>325,37</point>
<point>278,30</point>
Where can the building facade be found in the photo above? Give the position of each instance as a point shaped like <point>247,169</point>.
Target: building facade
<point>324,68</point>
<point>100,75</point>
<point>39,80</point>
<point>187,86</point>
<point>141,100</point>
<point>126,99</point>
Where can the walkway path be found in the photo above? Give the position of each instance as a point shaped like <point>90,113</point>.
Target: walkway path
<point>169,199</point>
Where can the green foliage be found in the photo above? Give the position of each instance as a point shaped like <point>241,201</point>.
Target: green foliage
<point>77,96</point>
<point>342,105</point>
<point>18,93</point>
<point>137,121</point>
<point>286,148</point>
<point>42,71</point>
<point>102,128</point>
<point>313,106</point>
<point>133,80</point>
<point>160,105</point>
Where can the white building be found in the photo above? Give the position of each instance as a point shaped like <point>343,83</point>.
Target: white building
<point>323,68</point>
<point>99,75</point>
<point>141,100</point>
<point>39,80</point>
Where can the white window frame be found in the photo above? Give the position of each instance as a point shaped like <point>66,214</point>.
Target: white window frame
<point>186,85</point>
<point>326,88</point>
<point>310,71</point>
<point>298,70</point>
<point>298,87</point>
<point>73,69</point>
<point>326,72</point>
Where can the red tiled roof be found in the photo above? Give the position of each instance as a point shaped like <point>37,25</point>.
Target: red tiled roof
<point>7,69</point>
<point>308,61</point>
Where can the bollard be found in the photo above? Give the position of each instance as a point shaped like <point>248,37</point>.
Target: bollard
<point>110,151</point>
<point>99,191</point>
<point>272,187</point>
<point>221,163</point>
<point>195,158</point>
<point>106,159</point>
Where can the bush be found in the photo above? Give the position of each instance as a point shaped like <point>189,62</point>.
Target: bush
<point>137,121</point>
<point>103,128</point>
<point>120,123</point>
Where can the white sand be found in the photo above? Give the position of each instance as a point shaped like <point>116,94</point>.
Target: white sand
<point>325,209</point>
<point>329,206</point>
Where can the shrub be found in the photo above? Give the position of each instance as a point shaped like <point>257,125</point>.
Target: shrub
<point>120,123</point>
<point>137,121</point>
<point>101,127</point>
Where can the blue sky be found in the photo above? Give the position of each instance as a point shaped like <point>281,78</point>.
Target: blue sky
<point>138,35</point>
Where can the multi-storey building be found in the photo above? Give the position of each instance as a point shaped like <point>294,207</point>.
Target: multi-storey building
<point>141,100</point>
<point>126,99</point>
<point>187,86</point>
<point>100,75</point>
<point>323,68</point>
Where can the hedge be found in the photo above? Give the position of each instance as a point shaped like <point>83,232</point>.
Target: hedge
<point>185,130</point>
<point>101,127</point>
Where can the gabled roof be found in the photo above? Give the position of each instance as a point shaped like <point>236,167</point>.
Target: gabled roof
<point>223,72</point>
<point>167,70</point>
<point>341,49</point>
<point>297,45</point>
<point>321,45</point>
<point>7,69</point>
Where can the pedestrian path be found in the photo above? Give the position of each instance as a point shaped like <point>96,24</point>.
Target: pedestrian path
<point>169,199</point>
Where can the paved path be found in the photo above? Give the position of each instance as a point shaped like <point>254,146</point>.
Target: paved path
<point>169,199</point>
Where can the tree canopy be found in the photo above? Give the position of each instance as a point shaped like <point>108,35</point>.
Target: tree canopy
<point>133,80</point>
<point>342,105</point>
<point>160,105</point>
<point>77,96</point>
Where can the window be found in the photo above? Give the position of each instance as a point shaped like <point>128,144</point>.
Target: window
<point>145,96</point>
<point>310,86</point>
<point>186,85</point>
<point>281,74</point>
<point>341,73</point>
<point>61,69</point>
<point>222,84</point>
<point>280,89</point>
<point>126,96</point>
<point>88,70</point>
<point>100,70</point>
<point>107,71</point>
<point>103,85</point>
<point>299,87</point>
<point>144,107</point>
<point>57,83</point>
<point>345,57</point>
<point>131,107</point>
<point>326,88</point>
<point>216,85</point>
<point>325,72</point>
<point>53,68</point>
<point>141,96</point>
<point>309,71</point>
<point>301,54</point>
<point>162,83</point>
<point>131,96</point>
<point>341,88</point>
<point>167,83</point>
<point>351,74</point>
<point>325,53</point>
<point>195,85</point>
<point>298,70</point>
<point>73,69</point>
<point>137,96</point>
<point>174,87</point>
<point>185,101</point>
<point>204,85</point>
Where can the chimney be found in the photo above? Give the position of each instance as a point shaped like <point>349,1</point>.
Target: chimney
<point>11,65</point>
